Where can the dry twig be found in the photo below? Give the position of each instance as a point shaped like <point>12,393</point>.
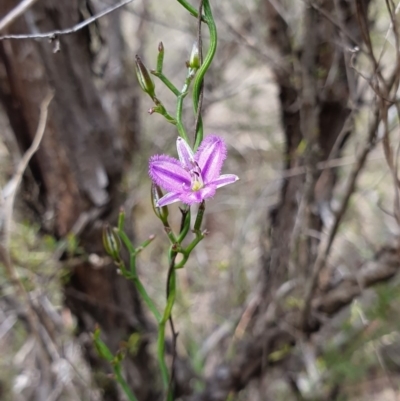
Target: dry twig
<point>9,18</point>
<point>53,35</point>
<point>8,207</point>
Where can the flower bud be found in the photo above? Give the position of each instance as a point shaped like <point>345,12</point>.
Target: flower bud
<point>194,61</point>
<point>111,242</point>
<point>156,195</point>
<point>144,77</point>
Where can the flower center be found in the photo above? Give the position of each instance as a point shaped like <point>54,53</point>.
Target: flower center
<point>196,186</point>
<point>197,180</point>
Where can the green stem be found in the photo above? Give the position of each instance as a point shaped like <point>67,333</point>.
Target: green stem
<point>199,236</point>
<point>186,252</point>
<point>170,234</point>
<point>160,109</point>
<point>203,69</point>
<point>164,320</point>
<point>166,82</point>
<point>121,220</point>
<point>142,291</point>
<point>179,105</point>
<point>127,242</point>
<point>123,383</point>
<point>199,217</point>
<point>185,226</point>
<point>133,276</point>
<point>189,7</point>
<point>160,57</point>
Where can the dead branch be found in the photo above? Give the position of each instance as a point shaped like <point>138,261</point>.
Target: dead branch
<point>8,207</point>
<point>15,13</point>
<point>326,244</point>
<point>53,35</point>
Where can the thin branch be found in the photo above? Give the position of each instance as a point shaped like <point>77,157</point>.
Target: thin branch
<point>327,241</point>
<point>10,17</point>
<point>8,206</point>
<point>52,35</point>
<point>336,23</point>
<point>13,185</point>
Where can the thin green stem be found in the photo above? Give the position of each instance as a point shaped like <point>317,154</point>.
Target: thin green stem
<point>121,220</point>
<point>179,105</point>
<point>170,234</point>
<point>203,69</point>
<point>199,217</point>
<point>167,313</point>
<point>199,236</point>
<point>143,293</point>
<point>142,290</point>
<point>193,244</point>
<point>115,362</point>
<point>188,7</point>
<point>120,379</point>
<point>160,109</point>
<point>127,242</point>
<point>132,274</point>
<point>160,353</point>
<point>185,225</point>
<point>166,82</point>
<point>187,251</point>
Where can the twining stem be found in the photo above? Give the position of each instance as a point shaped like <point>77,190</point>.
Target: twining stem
<point>203,69</point>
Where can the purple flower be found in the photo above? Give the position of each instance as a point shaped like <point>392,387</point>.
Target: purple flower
<point>194,177</point>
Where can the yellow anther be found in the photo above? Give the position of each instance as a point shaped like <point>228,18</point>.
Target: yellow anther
<point>196,185</point>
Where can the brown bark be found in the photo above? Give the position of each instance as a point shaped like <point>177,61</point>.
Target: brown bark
<point>315,89</point>
<point>314,81</point>
<point>80,163</point>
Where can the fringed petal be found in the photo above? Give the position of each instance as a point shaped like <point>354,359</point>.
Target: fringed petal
<point>169,198</point>
<point>168,173</point>
<point>185,154</point>
<point>224,179</point>
<point>210,156</point>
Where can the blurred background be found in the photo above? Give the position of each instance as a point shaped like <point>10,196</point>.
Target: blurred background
<point>294,293</point>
